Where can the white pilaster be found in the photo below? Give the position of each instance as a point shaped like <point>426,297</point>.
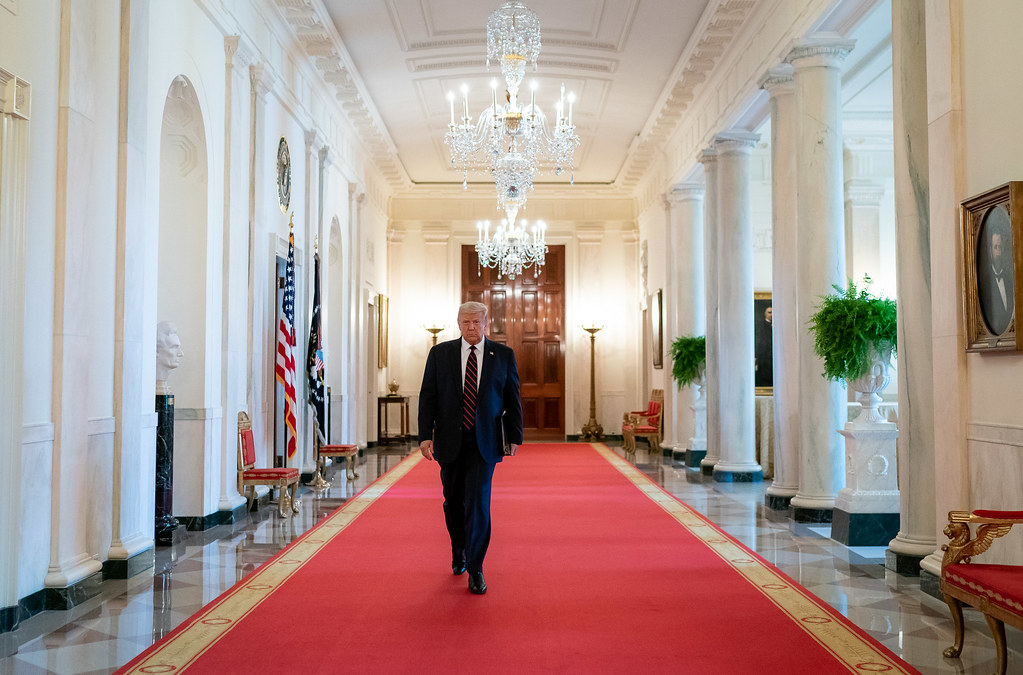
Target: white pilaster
<point>688,312</point>
<point>134,442</point>
<point>15,102</point>
<point>712,390</point>
<point>259,392</point>
<point>787,332</point>
<point>915,446</point>
<point>233,295</point>
<point>821,264</point>
<point>735,309</point>
<point>863,228</point>
<point>361,343</point>
<point>78,190</point>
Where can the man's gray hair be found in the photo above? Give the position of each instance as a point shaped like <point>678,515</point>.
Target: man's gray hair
<point>473,308</point>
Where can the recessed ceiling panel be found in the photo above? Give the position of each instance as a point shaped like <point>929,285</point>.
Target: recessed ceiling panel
<point>617,55</point>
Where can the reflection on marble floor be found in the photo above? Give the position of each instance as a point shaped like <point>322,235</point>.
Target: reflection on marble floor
<point>107,631</point>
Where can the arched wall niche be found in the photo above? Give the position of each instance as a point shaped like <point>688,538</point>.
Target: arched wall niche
<point>181,261</point>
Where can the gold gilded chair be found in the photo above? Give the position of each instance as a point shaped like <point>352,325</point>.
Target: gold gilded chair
<point>284,478</point>
<point>646,423</point>
<point>995,590</point>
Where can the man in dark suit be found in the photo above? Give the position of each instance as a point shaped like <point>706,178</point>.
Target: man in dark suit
<point>469,408</point>
<point>995,280</point>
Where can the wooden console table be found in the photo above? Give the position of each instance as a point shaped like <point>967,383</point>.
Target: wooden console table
<point>383,405</point>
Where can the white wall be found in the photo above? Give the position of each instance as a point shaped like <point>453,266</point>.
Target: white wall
<point>993,136</point>
<point>67,463</point>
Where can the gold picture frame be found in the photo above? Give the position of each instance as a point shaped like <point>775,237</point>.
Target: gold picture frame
<point>382,330</point>
<point>657,327</point>
<point>763,336</point>
<point>991,227</point>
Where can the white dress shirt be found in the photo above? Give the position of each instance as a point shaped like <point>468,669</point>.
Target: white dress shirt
<point>479,360</point>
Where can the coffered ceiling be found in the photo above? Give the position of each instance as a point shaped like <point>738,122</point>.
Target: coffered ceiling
<point>634,65</point>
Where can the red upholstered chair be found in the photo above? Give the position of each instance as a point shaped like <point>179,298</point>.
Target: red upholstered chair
<point>285,478</point>
<point>646,423</point>
<point>995,590</point>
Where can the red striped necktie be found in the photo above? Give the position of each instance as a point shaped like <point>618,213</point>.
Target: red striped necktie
<point>469,395</point>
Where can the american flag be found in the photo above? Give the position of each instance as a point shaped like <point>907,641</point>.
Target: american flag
<point>285,351</point>
<point>314,355</point>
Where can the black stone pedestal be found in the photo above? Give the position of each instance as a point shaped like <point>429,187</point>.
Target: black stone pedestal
<point>167,527</point>
<point>777,502</point>
<point>905,564</point>
<point>864,529</point>
<point>694,457</point>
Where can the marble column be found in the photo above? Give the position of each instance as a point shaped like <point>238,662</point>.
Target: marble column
<point>685,262</point>
<point>735,309</point>
<point>915,446</point>
<point>863,229</point>
<point>712,390</point>
<point>820,264</point>
<point>946,173</point>
<point>780,87</point>
<point>14,162</point>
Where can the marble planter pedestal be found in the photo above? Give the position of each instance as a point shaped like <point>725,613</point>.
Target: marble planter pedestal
<point>167,529</point>
<point>867,510</point>
<point>698,443</point>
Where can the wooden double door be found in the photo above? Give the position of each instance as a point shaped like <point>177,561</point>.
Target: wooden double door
<point>527,313</point>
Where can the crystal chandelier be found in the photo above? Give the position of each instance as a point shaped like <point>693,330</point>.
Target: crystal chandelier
<point>512,249</point>
<point>512,141</point>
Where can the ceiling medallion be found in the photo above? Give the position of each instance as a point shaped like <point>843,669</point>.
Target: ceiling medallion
<point>512,141</point>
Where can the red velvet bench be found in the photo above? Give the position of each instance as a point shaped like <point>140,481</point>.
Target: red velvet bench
<point>995,590</point>
<point>349,452</point>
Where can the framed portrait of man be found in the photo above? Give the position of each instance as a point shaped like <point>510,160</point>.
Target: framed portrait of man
<point>991,236</point>
<point>657,327</point>
<point>382,328</point>
<point>763,332</point>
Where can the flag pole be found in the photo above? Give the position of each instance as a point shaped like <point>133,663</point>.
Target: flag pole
<point>314,376</point>
<point>314,367</point>
<point>285,367</point>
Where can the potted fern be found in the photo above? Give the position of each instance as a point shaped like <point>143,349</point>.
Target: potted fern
<point>855,333</point>
<point>688,359</point>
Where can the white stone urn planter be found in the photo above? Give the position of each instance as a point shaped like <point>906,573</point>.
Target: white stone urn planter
<point>870,384</point>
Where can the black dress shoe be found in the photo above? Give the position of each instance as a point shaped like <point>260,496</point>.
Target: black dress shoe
<point>457,567</point>
<point>476,583</point>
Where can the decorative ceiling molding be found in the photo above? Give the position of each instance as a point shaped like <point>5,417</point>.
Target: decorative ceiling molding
<point>479,62</point>
<point>717,31</point>
<point>318,36</point>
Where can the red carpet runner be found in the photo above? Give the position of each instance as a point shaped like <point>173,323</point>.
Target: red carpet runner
<point>592,568</point>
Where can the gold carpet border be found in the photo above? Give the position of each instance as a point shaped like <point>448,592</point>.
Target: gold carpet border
<point>810,614</point>
<point>216,620</point>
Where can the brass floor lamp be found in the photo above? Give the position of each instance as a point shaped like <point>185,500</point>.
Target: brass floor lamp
<point>592,431</point>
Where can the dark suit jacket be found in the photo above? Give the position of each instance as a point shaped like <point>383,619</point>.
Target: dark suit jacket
<point>995,313</point>
<point>440,400</point>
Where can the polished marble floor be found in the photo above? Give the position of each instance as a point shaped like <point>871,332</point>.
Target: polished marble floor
<point>107,631</point>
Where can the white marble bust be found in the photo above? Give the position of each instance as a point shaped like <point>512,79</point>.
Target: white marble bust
<point>168,354</point>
